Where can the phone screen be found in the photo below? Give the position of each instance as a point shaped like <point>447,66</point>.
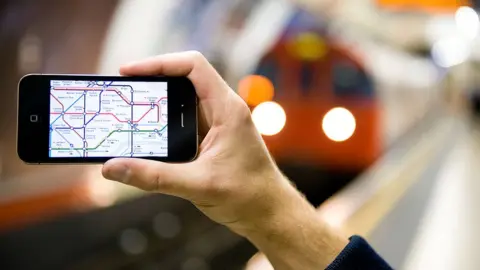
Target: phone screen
<point>108,119</point>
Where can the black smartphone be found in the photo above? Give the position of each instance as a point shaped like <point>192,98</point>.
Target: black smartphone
<point>90,118</point>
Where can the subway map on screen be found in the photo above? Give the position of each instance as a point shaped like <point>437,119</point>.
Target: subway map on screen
<point>108,119</point>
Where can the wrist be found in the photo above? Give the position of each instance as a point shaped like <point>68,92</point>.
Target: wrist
<point>272,204</point>
<point>292,235</point>
<point>284,205</point>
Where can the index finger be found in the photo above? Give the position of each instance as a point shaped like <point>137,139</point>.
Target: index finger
<point>192,64</point>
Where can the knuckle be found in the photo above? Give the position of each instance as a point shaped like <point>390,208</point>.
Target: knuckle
<point>243,111</point>
<point>197,56</point>
<point>157,183</point>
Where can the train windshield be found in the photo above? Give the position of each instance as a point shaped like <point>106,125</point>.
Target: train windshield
<point>268,68</point>
<point>349,80</point>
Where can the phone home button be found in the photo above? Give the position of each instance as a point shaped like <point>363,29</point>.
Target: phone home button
<point>34,118</point>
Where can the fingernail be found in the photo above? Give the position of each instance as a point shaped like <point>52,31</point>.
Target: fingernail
<point>118,172</point>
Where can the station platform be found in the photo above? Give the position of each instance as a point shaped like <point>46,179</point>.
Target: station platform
<point>418,206</point>
<point>435,223</point>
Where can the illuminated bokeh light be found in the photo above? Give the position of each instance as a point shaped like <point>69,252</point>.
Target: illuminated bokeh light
<point>467,21</point>
<point>450,51</point>
<point>308,46</point>
<point>133,242</point>
<point>255,89</point>
<point>269,118</point>
<point>339,124</point>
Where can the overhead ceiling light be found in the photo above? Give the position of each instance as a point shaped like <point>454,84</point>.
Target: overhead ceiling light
<point>467,21</point>
<point>450,51</point>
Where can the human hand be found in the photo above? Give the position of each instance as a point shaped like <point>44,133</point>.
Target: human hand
<point>234,180</point>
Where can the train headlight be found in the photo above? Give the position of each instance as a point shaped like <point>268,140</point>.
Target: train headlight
<point>269,118</point>
<point>339,124</point>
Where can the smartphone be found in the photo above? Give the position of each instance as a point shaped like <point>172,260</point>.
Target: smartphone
<point>90,118</point>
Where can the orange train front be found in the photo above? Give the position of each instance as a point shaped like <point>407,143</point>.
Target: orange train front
<point>314,102</point>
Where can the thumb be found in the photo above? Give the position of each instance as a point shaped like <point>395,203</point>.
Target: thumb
<point>180,180</point>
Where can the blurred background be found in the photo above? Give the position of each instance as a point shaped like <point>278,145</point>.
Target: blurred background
<point>370,106</point>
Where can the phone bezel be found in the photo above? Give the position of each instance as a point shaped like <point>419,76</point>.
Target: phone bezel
<point>33,138</point>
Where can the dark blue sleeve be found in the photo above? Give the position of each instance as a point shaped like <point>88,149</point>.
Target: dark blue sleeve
<point>358,255</point>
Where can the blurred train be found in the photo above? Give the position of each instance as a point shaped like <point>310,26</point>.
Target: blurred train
<point>324,111</point>
<point>327,101</point>
<point>316,105</point>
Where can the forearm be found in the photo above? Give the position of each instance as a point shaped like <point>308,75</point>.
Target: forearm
<point>294,237</point>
